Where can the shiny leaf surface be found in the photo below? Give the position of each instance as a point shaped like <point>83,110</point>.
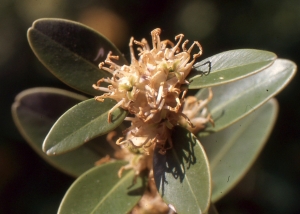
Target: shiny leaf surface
<point>100,190</point>
<point>233,101</point>
<point>72,52</point>
<point>36,110</point>
<point>182,175</point>
<point>229,66</point>
<point>232,151</point>
<point>80,124</point>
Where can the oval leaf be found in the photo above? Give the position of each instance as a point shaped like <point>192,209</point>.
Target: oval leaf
<point>232,151</point>
<point>229,66</point>
<point>99,190</point>
<point>182,175</point>
<point>233,101</point>
<point>80,124</point>
<point>36,110</point>
<point>72,52</point>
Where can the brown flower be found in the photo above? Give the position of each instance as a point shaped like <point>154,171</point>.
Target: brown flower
<point>150,89</point>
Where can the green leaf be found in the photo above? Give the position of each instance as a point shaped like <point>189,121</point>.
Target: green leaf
<point>82,123</point>
<point>229,66</point>
<point>233,101</point>
<point>36,110</point>
<point>99,190</point>
<point>72,52</point>
<point>232,151</point>
<point>182,175</point>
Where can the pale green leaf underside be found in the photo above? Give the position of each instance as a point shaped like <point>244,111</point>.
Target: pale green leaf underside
<point>230,66</point>
<point>82,123</point>
<point>100,190</point>
<point>235,100</point>
<point>72,52</point>
<point>232,151</point>
<point>36,110</point>
<point>182,175</point>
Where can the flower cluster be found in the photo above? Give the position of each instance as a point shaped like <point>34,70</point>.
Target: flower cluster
<point>152,89</point>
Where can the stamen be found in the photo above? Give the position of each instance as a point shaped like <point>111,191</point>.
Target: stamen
<point>102,89</point>
<point>103,80</point>
<point>165,43</point>
<point>120,142</point>
<point>129,118</point>
<point>184,93</point>
<point>100,99</point>
<point>200,49</point>
<point>105,68</point>
<point>155,38</point>
<point>179,38</point>
<point>139,43</point>
<point>151,89</point>
<point>140,50</point>
<point>149,117</point>
<point>146,45</point>
<point>161,104</point>
<point>184,44</point>
<point>113,108</point>
<point>187,119</point>
<point>110,62</point>
<point>133,59</point>
<point>177,107</point>
<point>102,160</point>
<point>201,105</point>
<point>160,90</point>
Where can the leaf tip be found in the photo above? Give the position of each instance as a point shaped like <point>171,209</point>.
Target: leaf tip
<point>44,147</point>
<point>50,152</point>
<point>33,26</point>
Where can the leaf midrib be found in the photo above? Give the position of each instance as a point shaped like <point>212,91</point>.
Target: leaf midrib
<point>216,109</point>
<point>75,132</point>
<point>230,143</point>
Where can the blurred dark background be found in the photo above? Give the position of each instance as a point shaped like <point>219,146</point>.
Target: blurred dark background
<point>29,185</point>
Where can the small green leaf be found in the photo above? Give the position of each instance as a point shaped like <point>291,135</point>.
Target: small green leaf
<point>182,175</point>
<point>230,66</point>
<point>99,190</point>
<point>235,100</point>
<point>72,52</point>
<point>82,123</point>
<point>232,151</point>
<point>36,110</point>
